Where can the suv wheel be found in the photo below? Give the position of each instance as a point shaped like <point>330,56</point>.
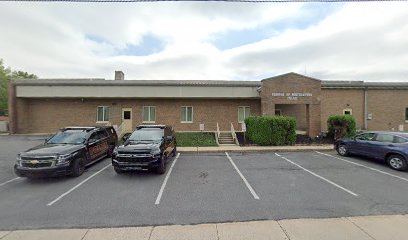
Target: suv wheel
<point>78,167</point>
<point>118,170</point>
<point>174,151</point>
<point>397,162</point>
<point>161,169</point>
<point>109,153</point>
<point>342,150</point>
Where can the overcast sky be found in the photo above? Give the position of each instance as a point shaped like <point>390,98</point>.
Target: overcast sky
<point>207,40</point>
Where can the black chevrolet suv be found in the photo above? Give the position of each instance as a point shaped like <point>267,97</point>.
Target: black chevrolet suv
<point>148,147</point>
<point>67,152</point>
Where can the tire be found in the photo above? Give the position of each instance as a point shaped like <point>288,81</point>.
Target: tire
<point>161,169</point>
<point>118,170</point>
<point>342,150</point>
<point>109,153</point>
<point>174,151</point>
<point>397,162</point>
<point>78,167</point>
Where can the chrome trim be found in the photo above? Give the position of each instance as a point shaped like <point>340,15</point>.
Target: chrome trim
<point>45,161</point>
<point>134,155</point>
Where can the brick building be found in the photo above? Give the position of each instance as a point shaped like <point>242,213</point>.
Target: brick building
<point>45,105</point>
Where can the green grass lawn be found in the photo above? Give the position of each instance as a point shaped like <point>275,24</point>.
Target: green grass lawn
<point>195,139</point>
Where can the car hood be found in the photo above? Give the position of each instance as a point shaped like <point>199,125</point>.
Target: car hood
<point>52,149</point>
<point>136,147</point>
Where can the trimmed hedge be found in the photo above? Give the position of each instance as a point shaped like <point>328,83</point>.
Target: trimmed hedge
<point>340,126</point>
<point>266,130</point>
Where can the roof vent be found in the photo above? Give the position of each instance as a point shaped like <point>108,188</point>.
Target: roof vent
<point>119,75</point>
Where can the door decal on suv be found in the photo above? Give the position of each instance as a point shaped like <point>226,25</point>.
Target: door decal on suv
<point>98,149</point>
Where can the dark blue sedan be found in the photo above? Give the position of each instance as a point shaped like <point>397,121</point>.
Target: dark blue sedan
<point>391,147</point>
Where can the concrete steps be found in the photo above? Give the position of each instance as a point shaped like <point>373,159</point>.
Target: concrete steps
<point>226,138</point>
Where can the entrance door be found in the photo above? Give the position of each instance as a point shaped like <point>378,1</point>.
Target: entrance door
<point>127,120</point>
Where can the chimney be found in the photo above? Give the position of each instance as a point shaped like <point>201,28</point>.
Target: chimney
<point>119,75</point>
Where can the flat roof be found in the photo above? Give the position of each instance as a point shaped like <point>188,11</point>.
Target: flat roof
<point>201,83</point>
<point>102,82</point>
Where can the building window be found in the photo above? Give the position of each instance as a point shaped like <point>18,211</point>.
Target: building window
<point>186,114</point>
<point>347,111</point>
<point>149,114</point>
<point>102,114</point>
<point>406,114</point>
<point>243,112</point>
<point>278,112</point>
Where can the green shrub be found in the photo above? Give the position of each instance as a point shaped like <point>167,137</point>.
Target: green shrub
<point>195,139</point>
<point>277,130</point>
<point>340,126</point>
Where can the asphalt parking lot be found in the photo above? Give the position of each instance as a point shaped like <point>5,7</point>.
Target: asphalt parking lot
<point>200,188</point>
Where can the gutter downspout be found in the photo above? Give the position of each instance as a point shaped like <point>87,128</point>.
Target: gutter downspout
<point>365,109</point>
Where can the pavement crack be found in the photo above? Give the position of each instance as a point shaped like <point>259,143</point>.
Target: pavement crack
<point>85,234</point>
<point>284,230</point>
<point>6,235</point>
<point>360,228</point>
<point>216,227</point>
<point>151,232</point>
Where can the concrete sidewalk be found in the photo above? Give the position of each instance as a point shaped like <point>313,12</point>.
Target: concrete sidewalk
<point>389,227</point>
<point>235,148</point>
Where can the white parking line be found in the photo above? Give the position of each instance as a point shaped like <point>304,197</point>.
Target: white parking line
<point>316,175</point>
<point>364,166</point>
<point>78,185</point>
<point>243,178</point>
<point>9,181</point>
<point>157,202</point>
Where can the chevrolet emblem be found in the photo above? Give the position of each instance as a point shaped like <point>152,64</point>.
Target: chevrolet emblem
<point>34,161</point>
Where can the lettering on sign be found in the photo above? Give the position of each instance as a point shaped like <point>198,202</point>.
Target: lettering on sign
<point>294,96</point>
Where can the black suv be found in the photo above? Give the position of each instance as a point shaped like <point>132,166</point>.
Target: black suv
<point>148,147</point>
<point>67,152</point>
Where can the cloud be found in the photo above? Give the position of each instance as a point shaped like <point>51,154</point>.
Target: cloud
<point>198,40</point>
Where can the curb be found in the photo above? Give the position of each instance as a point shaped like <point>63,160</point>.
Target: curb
<point>198,150</point>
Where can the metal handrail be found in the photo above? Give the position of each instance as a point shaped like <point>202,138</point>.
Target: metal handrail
<point>218,131</point>
<point>234,136</point>
<point>119,131</point>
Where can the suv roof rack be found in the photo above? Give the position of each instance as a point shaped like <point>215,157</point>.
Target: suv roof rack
<point>150,126</point>
<point>78,128</point>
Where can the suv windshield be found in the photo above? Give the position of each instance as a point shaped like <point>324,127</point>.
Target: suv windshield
<point>147,135</point>
<point>68,137</point>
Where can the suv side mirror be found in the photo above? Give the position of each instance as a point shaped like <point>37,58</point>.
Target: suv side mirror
<point>47,139</point>
<point>125,137</point>
<point>169,138</point>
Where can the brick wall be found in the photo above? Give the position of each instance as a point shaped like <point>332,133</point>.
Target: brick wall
<point>297,111</point>
<point>334,101</point>
<point>48,115</point>
<point>275,92</point>
<point>387,108</point>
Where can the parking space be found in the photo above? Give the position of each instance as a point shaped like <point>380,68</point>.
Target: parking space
<point>201,188</point>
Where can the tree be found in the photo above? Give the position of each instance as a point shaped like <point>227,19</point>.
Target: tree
<point>5,75</point>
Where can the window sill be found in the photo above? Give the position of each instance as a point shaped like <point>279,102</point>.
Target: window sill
<point>149,122</point>
<point>186,122</point>
<point>102,121</point>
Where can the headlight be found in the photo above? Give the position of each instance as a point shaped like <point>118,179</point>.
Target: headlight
<point>115,151</point>
<point>63,159</point>
<point>155,151</point>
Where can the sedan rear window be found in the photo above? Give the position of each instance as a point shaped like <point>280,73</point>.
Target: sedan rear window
<point>400,140</point>
<point>385,138</point>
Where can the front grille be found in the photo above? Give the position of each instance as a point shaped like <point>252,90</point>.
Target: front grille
<point>42,164</point>
<point>39,158</point>
<point>146,151</point>
<point>132,159</point>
